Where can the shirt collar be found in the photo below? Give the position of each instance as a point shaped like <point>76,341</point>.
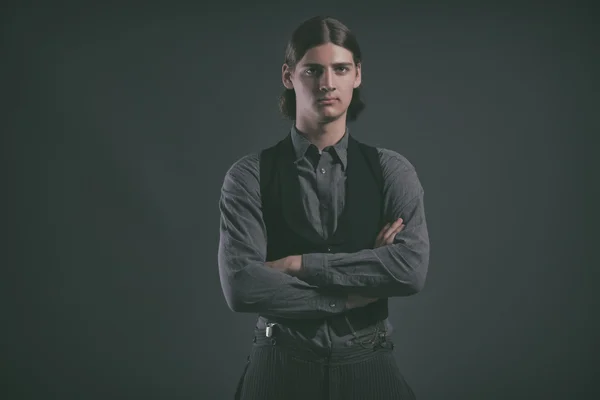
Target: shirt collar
<point>301,145</point>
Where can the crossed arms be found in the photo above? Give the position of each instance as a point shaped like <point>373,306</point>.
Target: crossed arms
<point>302,286</point>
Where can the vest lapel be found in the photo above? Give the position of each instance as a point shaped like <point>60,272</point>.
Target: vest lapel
<point>362,206</point>
<point>291,198</point>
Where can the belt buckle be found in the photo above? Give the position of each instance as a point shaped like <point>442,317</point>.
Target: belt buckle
<point>269,329</point>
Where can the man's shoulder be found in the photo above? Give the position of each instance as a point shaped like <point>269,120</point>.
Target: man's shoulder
<point>245,169</point>
<point>390,158</point>
<point>393,160</point>
<point>398,171</point>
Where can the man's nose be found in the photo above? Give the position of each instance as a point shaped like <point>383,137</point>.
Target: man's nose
<point>326,80</point>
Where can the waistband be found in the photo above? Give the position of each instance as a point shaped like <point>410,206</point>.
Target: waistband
<point>342,324</point>
<point>365,344</point>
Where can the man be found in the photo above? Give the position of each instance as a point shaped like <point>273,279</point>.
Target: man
<point>317,232</point>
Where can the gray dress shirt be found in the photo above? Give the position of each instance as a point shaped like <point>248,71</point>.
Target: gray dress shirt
<point>250,286</point>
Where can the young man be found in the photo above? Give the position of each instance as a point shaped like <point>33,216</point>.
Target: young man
<point>317,232</point>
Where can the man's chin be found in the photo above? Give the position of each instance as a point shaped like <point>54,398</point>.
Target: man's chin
<point>326,116</point>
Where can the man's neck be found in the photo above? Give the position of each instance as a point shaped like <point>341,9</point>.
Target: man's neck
<point>322,134</point>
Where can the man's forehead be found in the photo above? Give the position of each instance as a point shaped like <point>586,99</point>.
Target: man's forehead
<point>327,54</point>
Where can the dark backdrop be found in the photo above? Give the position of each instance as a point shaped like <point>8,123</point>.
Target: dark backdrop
<point>119,123</point>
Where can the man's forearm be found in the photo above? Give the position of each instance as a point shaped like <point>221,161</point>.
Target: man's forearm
<point>398,269</point>
<point>259,289</point>
<point>381,272</point>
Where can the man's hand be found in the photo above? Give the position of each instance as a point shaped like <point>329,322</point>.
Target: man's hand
<point>290,264</point>
<point>388,233</point>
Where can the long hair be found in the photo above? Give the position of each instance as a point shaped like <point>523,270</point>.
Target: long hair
<point>315,32</point>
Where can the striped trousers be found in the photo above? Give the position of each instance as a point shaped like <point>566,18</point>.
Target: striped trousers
<point>282,370</point>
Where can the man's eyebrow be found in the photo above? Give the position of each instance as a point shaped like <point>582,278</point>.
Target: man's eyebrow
<point>338,64</point>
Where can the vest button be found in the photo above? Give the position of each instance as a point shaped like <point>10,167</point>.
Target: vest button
<point>329,249</point>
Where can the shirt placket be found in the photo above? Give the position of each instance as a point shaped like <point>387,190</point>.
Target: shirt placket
<point>324,187</point>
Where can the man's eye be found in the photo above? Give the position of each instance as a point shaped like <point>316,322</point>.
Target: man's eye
<point>310,71</point>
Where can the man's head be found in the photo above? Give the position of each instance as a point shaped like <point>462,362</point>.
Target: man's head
<point>322,61</point>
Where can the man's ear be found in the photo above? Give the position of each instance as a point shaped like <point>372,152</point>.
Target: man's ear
<point>358,79</point>
<point>286,76</point>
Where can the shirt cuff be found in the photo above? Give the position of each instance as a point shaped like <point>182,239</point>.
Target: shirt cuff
<point>314,269</point>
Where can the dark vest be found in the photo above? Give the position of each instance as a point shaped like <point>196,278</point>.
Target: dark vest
<point>358,226</point>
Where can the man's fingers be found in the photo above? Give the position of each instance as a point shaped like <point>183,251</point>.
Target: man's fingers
<point>388,232</point>
<point>393,228</point>
<point>390,227</point>
<point>389,239</point>
<point>383,231</point>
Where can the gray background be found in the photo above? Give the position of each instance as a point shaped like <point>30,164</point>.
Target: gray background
<point>119,124</point>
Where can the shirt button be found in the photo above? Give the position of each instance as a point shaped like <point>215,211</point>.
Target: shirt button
<point>322,170</point>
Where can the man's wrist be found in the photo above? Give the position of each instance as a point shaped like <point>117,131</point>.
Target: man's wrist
<point>295,265</point>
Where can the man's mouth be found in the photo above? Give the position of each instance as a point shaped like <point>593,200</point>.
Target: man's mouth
<point>327,100</point>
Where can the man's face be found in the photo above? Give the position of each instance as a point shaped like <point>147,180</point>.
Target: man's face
<point>327,66</point>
